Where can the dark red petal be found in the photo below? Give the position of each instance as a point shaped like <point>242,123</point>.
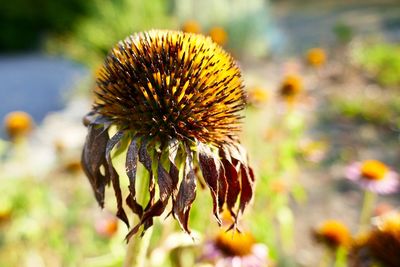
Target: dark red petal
<point>115,177</point>
<point>232,178</point>
<point>93,157</point>
<point>166,186</point>
<point>186,193</point>
<point>247,186</point>
<point>210,169</point>
<point>131,169</point>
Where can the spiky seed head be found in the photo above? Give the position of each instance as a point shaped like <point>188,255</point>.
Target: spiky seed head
<point>169,85</point>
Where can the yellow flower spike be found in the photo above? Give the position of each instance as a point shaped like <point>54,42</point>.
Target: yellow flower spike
<point>219,35</point>
<point>316,57</point>
<point>191,26</point>
<point>18,124</point>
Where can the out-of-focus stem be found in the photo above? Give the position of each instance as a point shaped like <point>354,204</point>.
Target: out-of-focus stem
<point>366,212</point>
<point>137,246</point>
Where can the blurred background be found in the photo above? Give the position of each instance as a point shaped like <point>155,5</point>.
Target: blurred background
<point>339,59</point>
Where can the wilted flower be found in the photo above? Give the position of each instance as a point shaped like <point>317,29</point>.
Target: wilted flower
<point>218,35</point>
<point>333,234</point>
<point>175,98</point>
<point>316,57</point>
<point>234,249</point>
<point>191,26</point>
<point>258,96</point>
<point>374,176</point>
<point>380,245</point>
<point>290,87</point>
<point>18,123</point>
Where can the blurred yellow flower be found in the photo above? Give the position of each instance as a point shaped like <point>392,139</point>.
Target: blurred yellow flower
<point>218,35</point>
<point>380,245</point>
<point>18,123</point>
<point>291,87</point>
<point>258,96</point>
<point>231,249</point>
<point>191,26</point>
<point>333,234</point>
<point>234,243</point>
<point>316,57</point>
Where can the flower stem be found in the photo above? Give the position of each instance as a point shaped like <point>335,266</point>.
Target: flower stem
<point>366,212</point>
<point>326,259</point>
<point>138,245</point>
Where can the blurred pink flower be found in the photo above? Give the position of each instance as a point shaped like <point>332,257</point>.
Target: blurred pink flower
<point>374,176</point>
<point>235,250</point>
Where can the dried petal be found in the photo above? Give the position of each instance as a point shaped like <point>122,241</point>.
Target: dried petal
<point>93,157</point>
<point>131,169</point>
<point>209,169</point>
<point>186,193</point>
<point>115,177</point>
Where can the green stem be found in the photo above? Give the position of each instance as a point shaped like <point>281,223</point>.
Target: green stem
<point>326,259</point>
<point>138,245</point>
<point>367,208</point>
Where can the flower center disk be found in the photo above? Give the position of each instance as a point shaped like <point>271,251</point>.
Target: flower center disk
<point>171,85</point>
<point>373,170</point>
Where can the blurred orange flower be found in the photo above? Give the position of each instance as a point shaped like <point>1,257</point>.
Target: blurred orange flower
<point>107,226</point>
<point>316,57</point>
<point>380,245</point>
<point>218,35</point>
<point>18,123</point>
<point>191,26</point>
<point>291,87</point>
<point>333,234</point>
<point>258,96</point>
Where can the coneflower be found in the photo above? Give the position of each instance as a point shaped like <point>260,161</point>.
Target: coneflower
<point>18,124</point>
<point>175,98</point>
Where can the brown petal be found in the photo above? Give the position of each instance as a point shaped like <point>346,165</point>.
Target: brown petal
<point>210,170</point>
<point>165,184</point>
<point>232,178</point>
<point>247,186</point>
<point>131,169</point>
<point>93,157</point>
<point>115,177</point>
<point>186,193</point>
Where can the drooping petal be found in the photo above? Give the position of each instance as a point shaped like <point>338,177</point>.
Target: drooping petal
<point>233,191</point>
<point>186,193</point>
<point>115,177</point>
<point>210,169</point>
<point>131,169</point>
<point>247,180</point>
<point>146,161</point>
<point>165,185</point>
<point>93,157</point>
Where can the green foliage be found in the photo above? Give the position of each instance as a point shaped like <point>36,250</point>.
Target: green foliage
<point>24,22</point>
<point>381,110</point>
<point>109,22</point>
<point>343,32</point>
<point>381,60</point>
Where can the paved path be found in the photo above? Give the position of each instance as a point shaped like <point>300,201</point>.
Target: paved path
<point>36,83</point>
